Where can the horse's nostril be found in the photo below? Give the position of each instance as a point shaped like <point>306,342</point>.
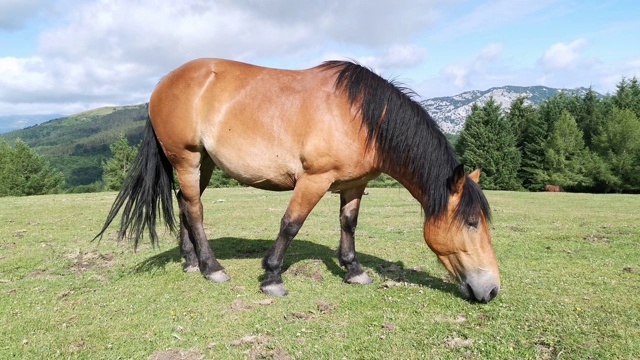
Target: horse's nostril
<point>483,297</point>
<point>493,293</point>
<point>470,292</point>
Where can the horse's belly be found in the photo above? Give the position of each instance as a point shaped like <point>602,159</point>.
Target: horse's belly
<point>258,171</point>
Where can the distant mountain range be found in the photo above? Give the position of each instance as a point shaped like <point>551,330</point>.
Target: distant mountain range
<point>16,122</point>
<point>451,112</point>
<point>78,144</point>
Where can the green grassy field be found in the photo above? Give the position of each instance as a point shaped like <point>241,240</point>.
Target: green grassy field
<point>570,268</point>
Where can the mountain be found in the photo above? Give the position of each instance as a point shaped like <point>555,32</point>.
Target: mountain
<point>451,112</point>
<point>78,144</point>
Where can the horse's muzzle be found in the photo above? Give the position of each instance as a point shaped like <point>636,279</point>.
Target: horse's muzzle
<point>481,288</point>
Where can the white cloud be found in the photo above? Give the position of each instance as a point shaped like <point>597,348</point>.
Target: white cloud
<point>562,56</point>
<point>115,51</point>
<point>395,57</point>
<point>462,73</point>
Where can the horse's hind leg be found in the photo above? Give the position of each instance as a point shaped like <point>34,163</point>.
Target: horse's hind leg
<point>349,209</point>
<point>192,235</point>
<point>187,243</point>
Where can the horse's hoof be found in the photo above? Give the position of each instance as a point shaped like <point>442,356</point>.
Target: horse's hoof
<point>361,279</point>
<point>190,268</point>
<point>274,290</point>
<point>218,276</point>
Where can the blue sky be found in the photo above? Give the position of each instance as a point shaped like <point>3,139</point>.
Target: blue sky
<point>67,56</point>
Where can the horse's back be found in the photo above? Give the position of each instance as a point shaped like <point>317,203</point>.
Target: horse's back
<point>263,126</point>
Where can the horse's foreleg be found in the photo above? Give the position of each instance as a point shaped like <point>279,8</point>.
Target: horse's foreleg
<point>349,209</point>
<point>307,193</point>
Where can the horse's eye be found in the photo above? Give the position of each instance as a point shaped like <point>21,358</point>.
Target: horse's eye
<point>472,223</point>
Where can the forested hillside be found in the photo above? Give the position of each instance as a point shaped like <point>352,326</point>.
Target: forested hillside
<point>577,142</point>
<point>77,145</point>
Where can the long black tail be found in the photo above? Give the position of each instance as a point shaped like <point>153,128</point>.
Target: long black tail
<point>146,190</point>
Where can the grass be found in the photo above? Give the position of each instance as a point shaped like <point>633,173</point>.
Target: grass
<point>570,268</point>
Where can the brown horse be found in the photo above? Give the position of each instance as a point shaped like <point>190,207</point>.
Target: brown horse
<point>333,127</point>
<point>553,188</point>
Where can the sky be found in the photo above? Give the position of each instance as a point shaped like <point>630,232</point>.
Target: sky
<point>68,56</point>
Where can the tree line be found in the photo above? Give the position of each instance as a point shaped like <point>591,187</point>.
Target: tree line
<point>579,142</point>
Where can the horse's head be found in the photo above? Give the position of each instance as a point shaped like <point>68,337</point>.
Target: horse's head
<point>460,238</point>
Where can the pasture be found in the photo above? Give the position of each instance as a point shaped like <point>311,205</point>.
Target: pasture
<point>570,271</point>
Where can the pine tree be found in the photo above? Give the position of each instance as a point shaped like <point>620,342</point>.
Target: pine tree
<point>487,141</point>
<point>619,151</point>
<point>7,171</point>
<point>566,157</point>
<point>623,98</point>
<point>532,150</point>
<point>634,87</point>
<point>627,96</point>
<point>529,135</point>
<point>24,172</point>
<point>116,168</point>
<point>591,116</point>
<point>518,117</point>
<point>551,109</point>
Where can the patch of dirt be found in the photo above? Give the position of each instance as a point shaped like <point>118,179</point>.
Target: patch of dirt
<point>458,343</point>
<point>38,274</point>
<point>239,305</point>
<point>459,319</point>
<point>176,355</point>
<point>317,276</point>
<point>307,270</point>
<point>265,302</point>
<point>64,294</point>
<point>597,238</point>
<point>78,346</point>
<point>18,234</point>
<point>251,339</point>
<point>299,315</point>
<point>387,326</point>
<point>545,351</point>
<point>9,245</point>
<point>260,348</point>
<point>258,352</point>
<point>392,283</point>
<point>90,260</point>
<point>631,270</point>
<point>326,308</point>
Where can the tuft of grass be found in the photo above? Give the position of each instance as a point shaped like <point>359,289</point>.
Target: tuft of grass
<point>570,268</point>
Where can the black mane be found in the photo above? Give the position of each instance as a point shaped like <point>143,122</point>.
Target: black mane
<point>410,144</point>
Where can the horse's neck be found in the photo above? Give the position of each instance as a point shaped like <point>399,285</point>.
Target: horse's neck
<point>414,188</point>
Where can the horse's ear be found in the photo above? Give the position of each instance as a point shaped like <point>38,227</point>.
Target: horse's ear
<point>457,179</point>
<point>475,175</point>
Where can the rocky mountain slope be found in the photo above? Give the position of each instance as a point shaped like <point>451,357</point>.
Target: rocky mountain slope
<point>450,112</point>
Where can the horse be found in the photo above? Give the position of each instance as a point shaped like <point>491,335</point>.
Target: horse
<point>553,188</point>
<point>332,127</point>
